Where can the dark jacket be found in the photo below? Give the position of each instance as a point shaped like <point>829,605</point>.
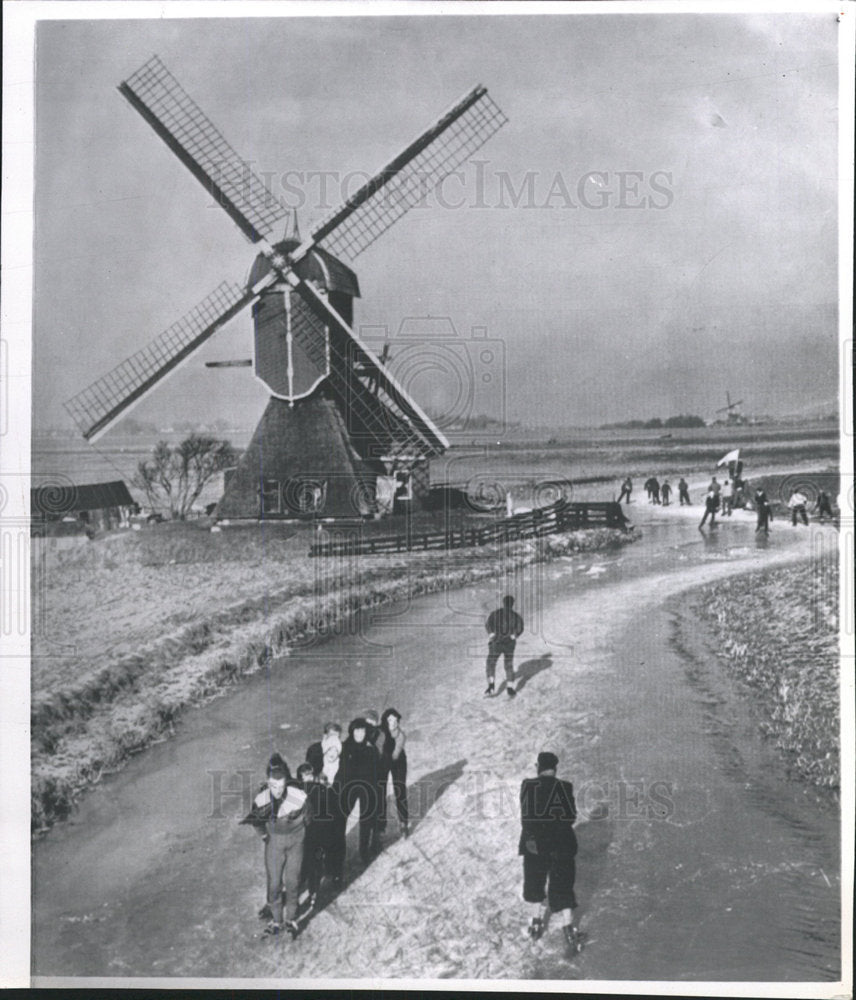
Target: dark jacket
<point>505,623</point>
<point>315,757</point>
<point>322,809</point>
<point>359,763</point>
<point>548,813</point>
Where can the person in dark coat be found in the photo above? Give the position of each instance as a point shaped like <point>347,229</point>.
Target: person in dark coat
<point>322,815</point>
<point>666,490</point>
<point>374,733</point>
<point>393,761</point>
<point>626,490</point>
<point>548,846</point>
<point>360,769</point>
<point>655,490</point>
<point>683,492</point>
<point>325,759</point>
<point>279,814</point>
<point>823,505</point>
<point>711,506</point>
<point>763,512</point>
<point>504,626</point>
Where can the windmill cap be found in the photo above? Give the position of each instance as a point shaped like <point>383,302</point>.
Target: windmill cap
<point>318,265</point>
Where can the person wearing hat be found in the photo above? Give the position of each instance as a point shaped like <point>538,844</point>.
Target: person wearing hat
<point>548,845</point>
<point>324,755</point>
<point>279,814</point>
<point>504,626</point>
<point>360,773</point>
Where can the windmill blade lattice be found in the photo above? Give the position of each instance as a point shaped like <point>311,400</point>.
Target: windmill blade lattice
<point>384,414</point>
<point>156,94</point>
<point>407,179</point>
<point>106,399</point>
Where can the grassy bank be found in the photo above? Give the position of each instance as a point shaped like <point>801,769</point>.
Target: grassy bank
<point>778,633</point>
<point>145,624</point>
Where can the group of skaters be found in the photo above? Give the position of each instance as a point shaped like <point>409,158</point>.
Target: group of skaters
<point>732,494</point>
<point>657,492</point>
<point>797,505</point>
<point>720,499</point>
<point>302,817</point>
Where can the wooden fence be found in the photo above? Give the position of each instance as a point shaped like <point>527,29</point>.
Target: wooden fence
<point>560,516</point>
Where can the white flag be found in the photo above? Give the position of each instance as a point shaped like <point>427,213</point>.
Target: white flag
<point>732,456</point>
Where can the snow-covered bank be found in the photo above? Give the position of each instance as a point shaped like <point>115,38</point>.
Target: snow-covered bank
<point>778,633</point>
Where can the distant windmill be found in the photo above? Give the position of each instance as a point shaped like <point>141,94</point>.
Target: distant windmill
<point>336,419</point>
<point>731,409</point>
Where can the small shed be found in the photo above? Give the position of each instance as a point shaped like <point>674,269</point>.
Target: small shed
<point>96,505</point>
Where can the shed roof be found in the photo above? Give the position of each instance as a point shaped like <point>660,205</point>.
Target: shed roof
<point>53,499</point>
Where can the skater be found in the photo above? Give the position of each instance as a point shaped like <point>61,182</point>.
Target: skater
<point>797,505</point>
<point>666,490</point>
<point>319,842</point>
<point>727,499</point>
<point>715,486</point>
<point>763,512</point>
<point>325,754</point>
<point>711,505</point>
<point>548,845</point>
<point>655,490</point>
<point>279,814</point>
<point>626,490</point>
<point>649,488</point>
<point>374,735</point>
<point>823,505</point>
<point>359,777</point>
<point>503,627</point>
<point>393,761</point>
<point>683,492</point>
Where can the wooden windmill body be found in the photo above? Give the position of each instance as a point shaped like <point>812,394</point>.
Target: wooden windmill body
<point>337,421</point>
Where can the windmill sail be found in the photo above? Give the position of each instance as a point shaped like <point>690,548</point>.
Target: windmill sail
<point>406,180</point>
<point>379,410</point>
<point>156,94</point>
<point>105,400</point>
<point>382,412</point>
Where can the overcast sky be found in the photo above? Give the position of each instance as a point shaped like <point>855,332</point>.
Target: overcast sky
<point>701,256</point>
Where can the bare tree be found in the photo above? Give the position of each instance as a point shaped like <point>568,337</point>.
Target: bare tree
<point>174,477</point>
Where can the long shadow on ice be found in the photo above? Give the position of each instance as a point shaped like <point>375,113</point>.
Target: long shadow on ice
<point>422,796</point>
<point>529,668</point>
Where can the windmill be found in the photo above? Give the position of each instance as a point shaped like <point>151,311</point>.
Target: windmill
<point>733,415</point>
<point>337,420</point>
